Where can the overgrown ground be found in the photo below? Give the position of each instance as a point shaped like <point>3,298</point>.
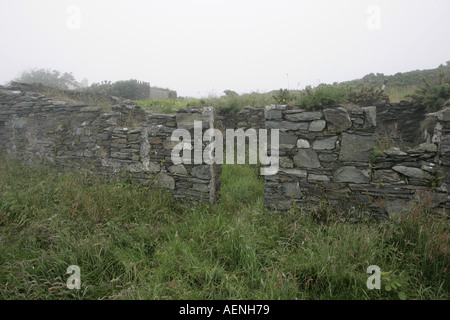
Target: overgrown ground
<point>132,242</point>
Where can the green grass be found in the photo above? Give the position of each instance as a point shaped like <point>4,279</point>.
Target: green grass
<point>232,103</point>
<point>323,97</point>
<point>400,93</point>
<point>132,242</point>
<point>166,105</point>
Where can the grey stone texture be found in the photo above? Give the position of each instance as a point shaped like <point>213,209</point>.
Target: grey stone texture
<point>126,139</point>
<point>350,174</point>
<point>303,116</point>
<point>325,144</point>
<point>325,154</point>
<point>317,125</point>
<point>337,119</point>
<point>334,159</point>
<point>306,158</point>
<point>356,147</point>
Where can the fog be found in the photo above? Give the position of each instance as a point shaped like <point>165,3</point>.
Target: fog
<point>202,47</point>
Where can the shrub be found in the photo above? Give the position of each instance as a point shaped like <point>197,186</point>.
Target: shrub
<point>432,95</point>
<point>322,97</point>
<point>283,96</point>
<point>367,96</point>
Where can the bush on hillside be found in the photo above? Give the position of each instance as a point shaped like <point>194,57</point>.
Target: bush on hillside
<point>432,95</point>
<point>283,96</point>
<point>322,97</point>
<point>367,96</point>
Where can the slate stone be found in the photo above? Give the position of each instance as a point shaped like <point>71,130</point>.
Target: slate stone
<point>171,123</point>
<point>165,181</point>
<point>350,174</point>
<point>201,172</point>
<point>287,125</point>
<point>398,207</point>
<point>443,115</point>
<point>328,157</point>
<point>294,172</point>
<point>19,123</point>
<point>317,125</point>
<point>120,155</point>
<point>178,169</point>
<point>325,144</point>
<point>23,104</point>
<point>272,114</point>
<point>395,152</point>
<point>303,116</point>
<point>202,187</point>
<point>91,109</point>
<point>288,139</point>
<point>356,147</point>
<point>151,167</point>
<point>426,147</point>
<point>385,176</point>
<point>285,162</point>
<point>318,178</point>
<point>303,144</point>
<point>306,158</point>
<point>337,119</point>
<point>429,167</point>
<point>411,172</point>
<point>292,189</point>
<point>370,117</point>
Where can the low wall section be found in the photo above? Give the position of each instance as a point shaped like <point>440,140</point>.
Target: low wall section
<point>329,155</point>
<point>128,141</point>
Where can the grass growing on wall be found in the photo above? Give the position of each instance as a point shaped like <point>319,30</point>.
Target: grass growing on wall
<point>132,242</point>
<point>233,102</point>
<point>166,105</point>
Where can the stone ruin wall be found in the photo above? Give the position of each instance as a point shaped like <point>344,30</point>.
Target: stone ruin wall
<point>127,141</point>
<point>405,175</point>
<point>324,155</point>
<point>329,155</point>
<point>246,118</point>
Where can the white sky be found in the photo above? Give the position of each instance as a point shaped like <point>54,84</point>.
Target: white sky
<point>202,47</point>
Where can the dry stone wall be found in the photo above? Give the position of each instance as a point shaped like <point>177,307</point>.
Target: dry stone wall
<point>324,155</point>
<point>128,141</point>
<point>247,118</point>
<point>329,155</point>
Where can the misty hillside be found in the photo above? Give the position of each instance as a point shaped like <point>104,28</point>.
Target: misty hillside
<point>400,79</point>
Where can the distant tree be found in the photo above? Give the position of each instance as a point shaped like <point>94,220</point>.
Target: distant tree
<point>48,77</point>
<point>123,88</point>
<point>229,93</point>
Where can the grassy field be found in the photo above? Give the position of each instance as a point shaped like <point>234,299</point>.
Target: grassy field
<point>132,242</point>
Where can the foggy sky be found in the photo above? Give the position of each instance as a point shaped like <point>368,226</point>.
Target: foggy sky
<point>202,47</point>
